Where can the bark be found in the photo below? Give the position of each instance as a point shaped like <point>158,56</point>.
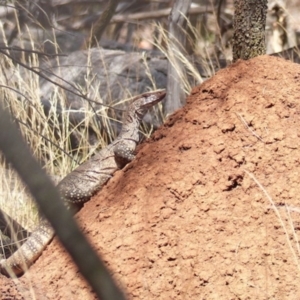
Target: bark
<point>249,29</point>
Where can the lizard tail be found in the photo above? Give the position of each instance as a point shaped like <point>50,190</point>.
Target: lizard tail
<point>20,260</point>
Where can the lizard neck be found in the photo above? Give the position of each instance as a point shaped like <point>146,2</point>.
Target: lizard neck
<point>136,112</point>
<point>130,127</point>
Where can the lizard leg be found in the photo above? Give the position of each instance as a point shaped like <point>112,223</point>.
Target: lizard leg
<point>124,153</point>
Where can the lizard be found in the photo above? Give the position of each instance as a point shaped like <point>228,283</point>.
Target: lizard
<point>86,180</point>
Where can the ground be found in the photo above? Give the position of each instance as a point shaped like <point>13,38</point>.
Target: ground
<point>193,216</point>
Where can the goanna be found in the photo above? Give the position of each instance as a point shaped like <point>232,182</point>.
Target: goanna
<point>86,180</point>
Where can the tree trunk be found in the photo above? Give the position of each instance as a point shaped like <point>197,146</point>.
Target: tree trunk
<point>249,28</point>
<point>100,25</point>
<point>177,19</point>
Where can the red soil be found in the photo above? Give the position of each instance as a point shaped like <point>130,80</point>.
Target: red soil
<point>187,219</point>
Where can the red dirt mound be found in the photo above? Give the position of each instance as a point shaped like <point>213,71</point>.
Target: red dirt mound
<point>191,217</point>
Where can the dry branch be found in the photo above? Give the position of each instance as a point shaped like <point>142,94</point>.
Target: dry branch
<point>155,14</point>
<point>90,265</point>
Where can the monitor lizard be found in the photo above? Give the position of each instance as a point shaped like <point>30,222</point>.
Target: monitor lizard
<point>86,180</point>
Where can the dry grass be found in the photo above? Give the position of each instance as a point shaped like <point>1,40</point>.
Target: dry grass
<point>47,136</point>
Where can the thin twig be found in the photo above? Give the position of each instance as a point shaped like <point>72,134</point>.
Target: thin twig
<point>247,127</point>
<point>277,214</point>
<point>54,82</point>
<point>289,208</point>
<point>155,14</point>
<point>15,48</point>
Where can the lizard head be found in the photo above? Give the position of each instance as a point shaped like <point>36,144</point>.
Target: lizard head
<point>145,101</point>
